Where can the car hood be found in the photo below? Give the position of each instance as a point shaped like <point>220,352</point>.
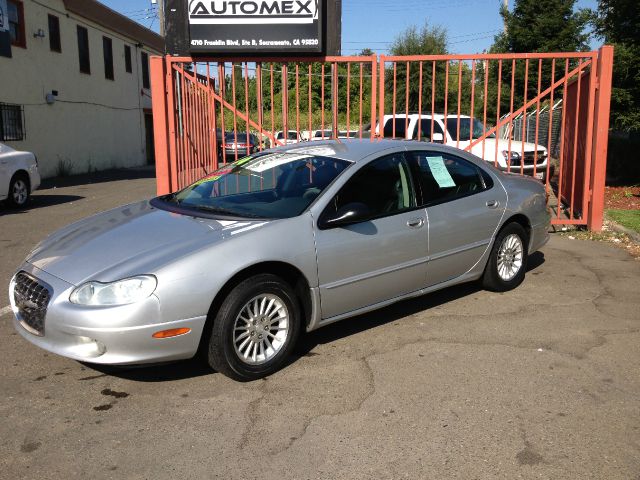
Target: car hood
<point>131,240</point>
<point>516,146</point>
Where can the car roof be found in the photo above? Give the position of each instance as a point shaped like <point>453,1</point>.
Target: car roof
<point>352,150</point>
<point>439,116</point>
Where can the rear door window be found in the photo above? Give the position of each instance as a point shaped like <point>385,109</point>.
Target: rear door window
<point>443,177</point>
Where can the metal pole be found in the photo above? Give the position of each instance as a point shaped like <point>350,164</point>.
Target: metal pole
<point>161,17</point>
<point>506,7</point>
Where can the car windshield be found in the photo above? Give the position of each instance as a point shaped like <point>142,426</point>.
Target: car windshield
<point>264,185</point>
<point>465,129</point>
<point>324,133</point>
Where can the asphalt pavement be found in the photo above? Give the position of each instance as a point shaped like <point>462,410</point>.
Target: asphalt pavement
<point>540,382</point>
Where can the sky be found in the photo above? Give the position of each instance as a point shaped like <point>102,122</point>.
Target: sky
<point>471,24</point>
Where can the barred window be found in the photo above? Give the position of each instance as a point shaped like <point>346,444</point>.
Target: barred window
<point>11,122</point>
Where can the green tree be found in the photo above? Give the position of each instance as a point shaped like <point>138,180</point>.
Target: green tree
<point>534,26</point>
<point>617,22</point>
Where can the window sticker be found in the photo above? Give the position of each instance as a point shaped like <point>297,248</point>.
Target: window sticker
<point>440,172</point>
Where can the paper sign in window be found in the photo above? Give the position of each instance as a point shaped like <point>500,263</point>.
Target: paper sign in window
<point>440,172</point>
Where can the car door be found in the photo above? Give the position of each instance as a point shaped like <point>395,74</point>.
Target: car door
<point>464,209</point>
<point>378,259</point>
<point>6,170</point>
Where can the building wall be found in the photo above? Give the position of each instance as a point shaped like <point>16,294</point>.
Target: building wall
<point>96,123</point>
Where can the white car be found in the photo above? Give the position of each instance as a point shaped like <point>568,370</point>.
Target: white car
<point>292,137</point>
<point>508,151</point>
<point>19,176</point>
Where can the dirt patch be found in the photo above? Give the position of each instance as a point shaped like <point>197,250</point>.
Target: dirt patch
<point>622,198</point>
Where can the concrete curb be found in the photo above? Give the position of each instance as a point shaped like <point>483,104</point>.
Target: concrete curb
<point>620,229</point>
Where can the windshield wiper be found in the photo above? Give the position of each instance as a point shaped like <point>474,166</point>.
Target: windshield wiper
<point>223,211</point>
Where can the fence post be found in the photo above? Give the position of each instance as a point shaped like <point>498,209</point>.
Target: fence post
<point>159,104</point>
<point>600,137</point>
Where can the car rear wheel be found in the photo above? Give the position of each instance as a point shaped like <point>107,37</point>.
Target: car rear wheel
<point>18,191</point>
<point>507,264</point>
<point>255,328</point>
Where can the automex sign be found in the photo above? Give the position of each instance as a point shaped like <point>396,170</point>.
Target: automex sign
<point>256,26</point>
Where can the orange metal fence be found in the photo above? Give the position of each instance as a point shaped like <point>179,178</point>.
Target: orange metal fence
<point>208,112</point>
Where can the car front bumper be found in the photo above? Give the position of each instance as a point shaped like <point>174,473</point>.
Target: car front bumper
<point>118,335</point>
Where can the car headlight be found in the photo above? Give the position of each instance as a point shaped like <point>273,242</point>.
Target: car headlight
<point>515,156</point>
<point>121,292</point>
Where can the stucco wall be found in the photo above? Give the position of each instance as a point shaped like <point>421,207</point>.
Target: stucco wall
<point>95,123</point>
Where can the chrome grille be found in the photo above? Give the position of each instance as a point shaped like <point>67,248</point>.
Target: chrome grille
<point>529,157</point>
<point>31,298</point>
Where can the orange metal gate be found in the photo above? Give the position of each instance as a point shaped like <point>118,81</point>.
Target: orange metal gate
<point>208,112</point>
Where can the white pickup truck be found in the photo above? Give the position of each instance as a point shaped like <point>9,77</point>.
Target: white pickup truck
<point>406,127</point>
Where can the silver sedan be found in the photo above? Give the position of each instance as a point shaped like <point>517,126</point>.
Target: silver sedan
<point>237,265</point>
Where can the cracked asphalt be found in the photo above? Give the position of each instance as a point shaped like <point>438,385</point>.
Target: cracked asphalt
<point>541,382</point>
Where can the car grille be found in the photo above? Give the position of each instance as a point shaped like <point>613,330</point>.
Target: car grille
<point>529,157</point>
<point>31,298</point>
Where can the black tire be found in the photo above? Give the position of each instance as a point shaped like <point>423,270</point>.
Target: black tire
<point>222,354</point>
<point>19,191</point>
<point>491,279</point>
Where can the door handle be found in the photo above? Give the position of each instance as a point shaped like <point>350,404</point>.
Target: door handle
<point>493,204</point>
<point>415,222</point>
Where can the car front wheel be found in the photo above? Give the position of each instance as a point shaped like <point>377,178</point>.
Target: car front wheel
<point>507,264</point>
<point>18,191</point>
<point>255,328</point>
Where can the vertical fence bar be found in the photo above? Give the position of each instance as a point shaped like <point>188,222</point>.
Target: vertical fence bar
<point>459,103</point>
<point>406,101</point>
<point>213,136</point>
<point>222,91</point>
<point>273,115</point>
<point>486,91</point>
<point>374,83</point>
<point>562,132</point>
<point>334,95</point>
<point>285,102</point>
<point>420,101</point>
<point>381,98</point>
<point>498,110</point>
<point>586,194</point>
<point>159,96</point>
<point>393,120</point>
<point>322,100</point>
<point>535,152</point>
<point>524,115</point>
<point>473,91</point>
<point>348,97</point>
<point>575,142</point>
<point>433,99</point>
<point>235,110</point>
<point>601,137</point>
<point>373,127</point>
<point>309,102</point>
<point>513,86</point>
<point>550,139</point>
<point>297,103</point>
<point>246,108</point>
<point>260,107</point>
<point>446,97</point>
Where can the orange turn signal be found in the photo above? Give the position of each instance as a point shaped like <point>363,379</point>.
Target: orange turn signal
<point>174,332</point>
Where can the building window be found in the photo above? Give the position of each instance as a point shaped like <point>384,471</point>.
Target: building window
<point>54,34</point>
<point>83,50</point>
<point>107,49</point>
<point>11,122</point>
<point>127,59</point>
<point>16,23</point>
<point>144,57</point>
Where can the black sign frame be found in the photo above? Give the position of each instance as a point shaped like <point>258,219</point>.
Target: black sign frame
<point>178,35</point>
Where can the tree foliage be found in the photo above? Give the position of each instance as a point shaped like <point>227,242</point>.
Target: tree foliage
<point>617,22</point>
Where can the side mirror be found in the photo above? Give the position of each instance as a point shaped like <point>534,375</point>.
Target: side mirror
<point>438,138</point>
<point>349,214</point>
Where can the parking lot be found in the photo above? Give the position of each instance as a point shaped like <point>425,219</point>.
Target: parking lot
<point>540,382</point>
